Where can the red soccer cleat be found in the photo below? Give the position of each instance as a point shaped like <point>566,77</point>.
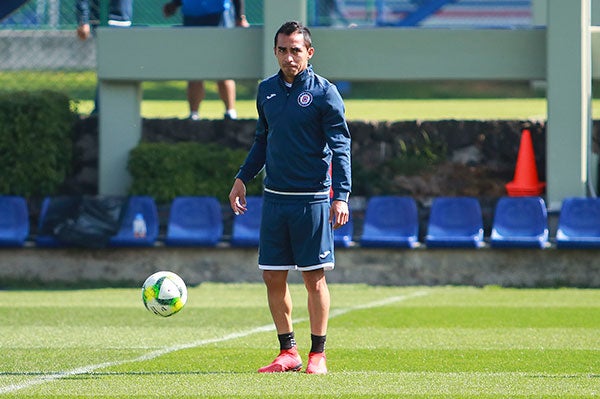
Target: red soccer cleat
<point>316,363</point>
<point>288,360</point>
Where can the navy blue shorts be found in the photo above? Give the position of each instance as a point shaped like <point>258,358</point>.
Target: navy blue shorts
<point>295,233</point>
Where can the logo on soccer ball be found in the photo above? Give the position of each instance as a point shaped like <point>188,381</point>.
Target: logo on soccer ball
<point>304,99</point>
<point>164,293</point>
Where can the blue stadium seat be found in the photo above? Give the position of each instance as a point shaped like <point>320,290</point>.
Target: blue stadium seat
<point>147,207</point>
<point>14,221</point>
<point>390,221</point>
<point>44,238</point>
<point>455,222</point>
<point>342,236</point>
<point>579,223</point>
<point>194,221</point>
<point>520,222</point>
<point>246,227</point>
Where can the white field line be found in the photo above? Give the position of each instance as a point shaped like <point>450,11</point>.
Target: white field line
<point>154,354</point>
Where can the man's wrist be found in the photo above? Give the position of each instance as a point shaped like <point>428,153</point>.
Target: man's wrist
<point>343,196</point>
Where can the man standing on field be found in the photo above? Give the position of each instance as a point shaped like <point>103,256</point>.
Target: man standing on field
<point>301,131</point>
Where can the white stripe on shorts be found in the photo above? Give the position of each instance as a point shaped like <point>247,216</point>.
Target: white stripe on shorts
<point>325,266</point>
<point>296,193</point>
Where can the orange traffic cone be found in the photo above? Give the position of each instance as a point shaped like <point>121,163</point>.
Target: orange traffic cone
<point>525,182</point>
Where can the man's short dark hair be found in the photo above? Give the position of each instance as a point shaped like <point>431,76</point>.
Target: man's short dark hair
<point>292,27</point>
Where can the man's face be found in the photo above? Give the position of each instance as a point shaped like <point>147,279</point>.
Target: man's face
<point>292,55</point>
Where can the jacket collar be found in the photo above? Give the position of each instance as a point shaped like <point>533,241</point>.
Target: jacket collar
<point>301,77</point>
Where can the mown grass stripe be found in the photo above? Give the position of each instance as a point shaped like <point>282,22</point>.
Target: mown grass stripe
<point>157,353</point>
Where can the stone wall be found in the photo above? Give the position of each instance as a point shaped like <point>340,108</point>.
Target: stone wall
<point>479,156</point>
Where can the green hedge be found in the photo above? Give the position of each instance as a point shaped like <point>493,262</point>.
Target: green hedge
<point>165,171</point>
<point>36,142</point>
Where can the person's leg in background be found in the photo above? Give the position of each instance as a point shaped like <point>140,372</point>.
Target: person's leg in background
<point>227,94</point>
<point>195,95</point>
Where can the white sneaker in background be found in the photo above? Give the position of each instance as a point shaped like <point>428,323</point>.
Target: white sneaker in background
<point>230,114</point>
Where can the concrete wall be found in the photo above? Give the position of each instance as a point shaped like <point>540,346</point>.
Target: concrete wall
<point>36,267</point>
<point>45,50</point>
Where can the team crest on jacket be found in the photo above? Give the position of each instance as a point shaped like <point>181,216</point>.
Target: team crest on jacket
<point>304,99</point>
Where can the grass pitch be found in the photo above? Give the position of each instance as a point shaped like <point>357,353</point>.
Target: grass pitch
<point>374,110</point>
<point>368,109</point>
<point>383,342</point>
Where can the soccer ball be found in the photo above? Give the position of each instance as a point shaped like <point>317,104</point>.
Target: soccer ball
<point>164,293</point>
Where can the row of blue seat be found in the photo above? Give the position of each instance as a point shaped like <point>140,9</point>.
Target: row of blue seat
<point>15,223</point>
<point>519,222</point>
<point>393,221</point>
<point>390,221</point>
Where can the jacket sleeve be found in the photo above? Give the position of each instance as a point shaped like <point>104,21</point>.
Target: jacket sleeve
<point>339,141</point>
<point>239,10</point>
<point>82,8</point>
<point>256,158</point>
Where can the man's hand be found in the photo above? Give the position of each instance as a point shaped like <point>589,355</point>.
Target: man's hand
<point>169,9</point>
<point>83,31</point>
<point>339,214</point>
<point>237,197</point>
<point>242,22</point>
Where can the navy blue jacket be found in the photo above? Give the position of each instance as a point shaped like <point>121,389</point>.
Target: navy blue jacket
<point>300,131</point>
